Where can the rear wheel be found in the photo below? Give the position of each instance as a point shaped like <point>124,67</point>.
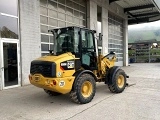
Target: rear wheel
<point>51,93</point>
<point>84,89</point>
<point>117,83</point>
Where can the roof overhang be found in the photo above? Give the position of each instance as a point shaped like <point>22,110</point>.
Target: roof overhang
<point>140,11</point>
<point>156,4</point>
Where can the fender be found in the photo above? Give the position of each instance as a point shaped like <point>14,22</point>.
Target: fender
<point>78,73</point>
<point>112,71</point>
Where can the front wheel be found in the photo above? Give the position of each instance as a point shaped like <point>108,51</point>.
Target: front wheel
<point>117,83</point>
<point>84,89</point>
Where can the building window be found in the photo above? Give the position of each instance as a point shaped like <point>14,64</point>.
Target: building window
<point>8,19</point>
<point>59,13</point>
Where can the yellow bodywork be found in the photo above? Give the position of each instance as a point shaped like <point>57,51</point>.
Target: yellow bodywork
<point>47,83</point>
<point>104,63</point>
<point>64,79</point>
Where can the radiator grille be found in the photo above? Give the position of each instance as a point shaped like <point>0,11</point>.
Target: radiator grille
<point>47,69</point>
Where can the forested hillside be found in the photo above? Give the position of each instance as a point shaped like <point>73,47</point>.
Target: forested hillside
<point>143,34</point>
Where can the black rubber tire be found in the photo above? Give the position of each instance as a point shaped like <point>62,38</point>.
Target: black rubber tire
<point>51,93</point>
<point>113,85</point>
<point>76,95</point>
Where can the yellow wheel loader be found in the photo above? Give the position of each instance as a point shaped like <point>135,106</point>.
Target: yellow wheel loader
<point>74,66</point>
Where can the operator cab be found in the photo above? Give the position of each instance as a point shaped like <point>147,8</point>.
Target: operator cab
<point>78,41</point>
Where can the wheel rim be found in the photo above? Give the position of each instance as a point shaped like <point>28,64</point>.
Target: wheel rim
<point>86,89</point>
<point>120,81</point>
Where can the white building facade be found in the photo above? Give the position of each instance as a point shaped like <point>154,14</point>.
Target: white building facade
<point>24,26</point>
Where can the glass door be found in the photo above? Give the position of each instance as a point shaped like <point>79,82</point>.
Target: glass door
<point>10,63</point>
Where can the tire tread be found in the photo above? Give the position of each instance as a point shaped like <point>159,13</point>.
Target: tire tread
<point>113,86</point>
<point>75,96</point>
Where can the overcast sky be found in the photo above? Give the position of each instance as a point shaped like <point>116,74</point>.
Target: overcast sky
<point>150,24</point>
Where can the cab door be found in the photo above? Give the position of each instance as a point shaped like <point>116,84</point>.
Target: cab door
<point>88,49</point>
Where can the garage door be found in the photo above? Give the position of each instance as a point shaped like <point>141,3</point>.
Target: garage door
<point>115,35</point>
<point>59,13</point>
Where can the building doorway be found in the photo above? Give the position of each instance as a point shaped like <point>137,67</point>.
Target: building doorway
<point>10,63</point>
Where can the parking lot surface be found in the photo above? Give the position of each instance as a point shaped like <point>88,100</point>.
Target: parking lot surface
<point>139,101</point>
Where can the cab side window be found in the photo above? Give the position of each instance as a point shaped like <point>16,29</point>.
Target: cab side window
<point>90,40</point>
<point>87,39</point>
<point>76,44</point>
<point>87,47</point>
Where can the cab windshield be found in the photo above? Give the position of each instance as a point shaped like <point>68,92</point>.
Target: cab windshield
<point>66,40</point>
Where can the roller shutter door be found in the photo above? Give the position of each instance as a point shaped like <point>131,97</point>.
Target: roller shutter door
<point>59,13</point>
<point>116,35</point>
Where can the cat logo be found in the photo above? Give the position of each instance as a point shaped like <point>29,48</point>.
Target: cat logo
<point>70,64</point>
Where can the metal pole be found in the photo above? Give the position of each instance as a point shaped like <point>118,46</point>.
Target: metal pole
<point>149,53</point>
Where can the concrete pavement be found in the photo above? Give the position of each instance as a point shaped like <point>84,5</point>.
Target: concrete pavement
<point>139,101</point>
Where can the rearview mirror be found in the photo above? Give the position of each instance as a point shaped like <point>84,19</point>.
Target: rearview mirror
<point>100,36</point>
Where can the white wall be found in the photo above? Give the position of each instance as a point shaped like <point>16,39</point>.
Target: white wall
<point>92,15</point>
<point>0,68</point>
<point>92,20</point>
<point>125,62</point>
<point>29,35</point>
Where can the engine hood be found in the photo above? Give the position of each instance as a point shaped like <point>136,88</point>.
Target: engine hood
<point>57,59</point>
